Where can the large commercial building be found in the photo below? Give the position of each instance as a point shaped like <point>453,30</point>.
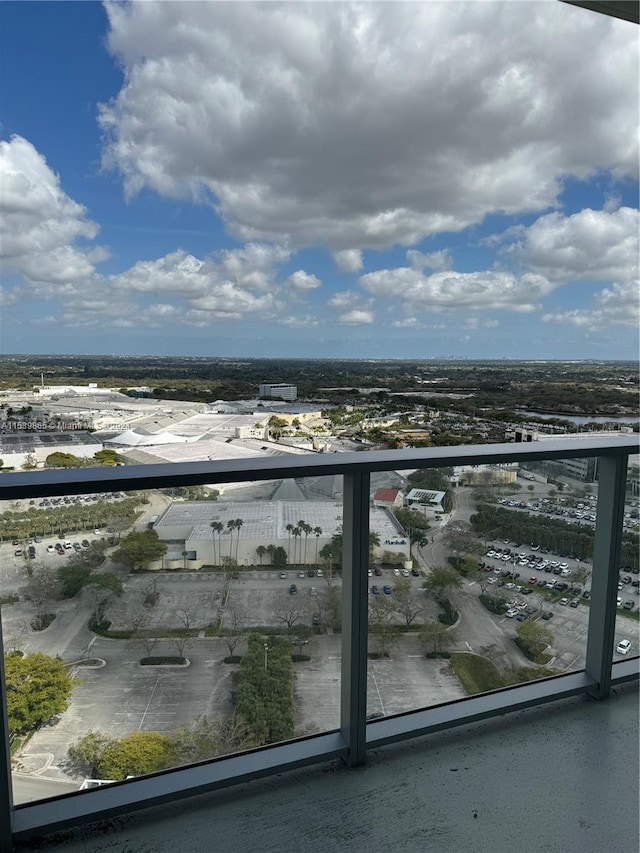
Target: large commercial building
<point>279,390</point>
<point>18,448</point>
<point>187,526</point>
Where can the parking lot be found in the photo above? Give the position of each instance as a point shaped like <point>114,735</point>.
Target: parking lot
<point>122,696</point>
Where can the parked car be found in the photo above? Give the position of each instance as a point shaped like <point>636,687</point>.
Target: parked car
<point>547,615</point>
<point>375,590</point>
<point>563,602</point>
<point>387,589</point>
<point>628,605</point>
<point>85,543</point>
<point>623,647</point>
<point>283,575</point>
<point>293,589</point>
<point>416,573</point>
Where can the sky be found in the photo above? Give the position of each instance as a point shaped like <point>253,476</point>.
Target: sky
<point>369,180</point>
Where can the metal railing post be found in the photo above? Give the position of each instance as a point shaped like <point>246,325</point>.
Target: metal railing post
<point>6,787</point>
<point>612,475</point>
<point>355,560</point>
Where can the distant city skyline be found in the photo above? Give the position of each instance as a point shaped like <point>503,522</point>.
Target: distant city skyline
<point>369,181</point>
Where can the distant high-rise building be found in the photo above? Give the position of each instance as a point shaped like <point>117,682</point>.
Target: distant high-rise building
<point>278,390</point>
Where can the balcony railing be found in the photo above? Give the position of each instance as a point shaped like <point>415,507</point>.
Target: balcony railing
<point>354,735</point>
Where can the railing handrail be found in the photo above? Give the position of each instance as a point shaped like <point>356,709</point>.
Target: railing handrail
<point>32,484</point>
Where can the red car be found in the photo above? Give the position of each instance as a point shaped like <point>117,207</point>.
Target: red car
<point>533,581</point>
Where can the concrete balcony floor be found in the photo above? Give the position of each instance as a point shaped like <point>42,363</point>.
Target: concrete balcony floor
<point>561,777</point>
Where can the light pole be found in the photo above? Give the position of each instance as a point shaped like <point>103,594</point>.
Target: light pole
<point>266,649</point>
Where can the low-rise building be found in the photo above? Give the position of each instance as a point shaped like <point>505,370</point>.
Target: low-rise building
<point>388,498</point>
<point>427,498</point>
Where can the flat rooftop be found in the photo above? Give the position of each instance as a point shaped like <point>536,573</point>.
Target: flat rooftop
<point>264,519</point>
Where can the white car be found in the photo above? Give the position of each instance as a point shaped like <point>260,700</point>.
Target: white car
<point>50,549</point>
<point>406,573</point>
<point>623,647</point>
<point>563,602</point>
<point>396,572</point>
<point>511,613</point>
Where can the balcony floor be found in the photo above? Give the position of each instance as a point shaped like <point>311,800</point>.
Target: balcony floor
<point>562,777</point>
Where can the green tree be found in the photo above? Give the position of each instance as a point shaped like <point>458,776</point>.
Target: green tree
<point>261,551</point>
<point>63,460</point>
<point>217,527</point>
<point>135,755</point>
<point>102,590</point>
<point>278,557</point>
<point>403,601</point>
<point>276,426</point>
<point>87,750</point>
<point>38,688</point>
<point>206,738</point>
<point>138,549</point>
<point>435,637</point>
<point>106,457</point>
<point>533,638</point>
<point>384,633</point>
<point>440,580</point>
<point>317,532</point>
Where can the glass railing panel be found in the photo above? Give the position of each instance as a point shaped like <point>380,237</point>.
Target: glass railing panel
<point>170,626</point>
<point>495,590</point>
<point>627,633</point>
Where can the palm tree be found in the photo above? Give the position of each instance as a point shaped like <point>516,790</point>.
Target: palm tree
<point>238,525</point>
<point>217,527</point>
<point>306,529</point>
<point>184,558</point>
<point>318,533</point>
<point>289,529</point>
<point>296,533</point>
<point>231,526</point>
<point>261,551</point>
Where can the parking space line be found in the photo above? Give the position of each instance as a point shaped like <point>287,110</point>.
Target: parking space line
<point>375,682</point>
<point>149,702</point>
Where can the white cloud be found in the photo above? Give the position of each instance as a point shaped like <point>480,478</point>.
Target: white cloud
<point>592,245</point>
<point>455,290</point>
<point>226,285</point>
<point>306,321</point>
<point>435,261</point>
<point>419,118</point>
<point>302,281</point>
<point>349,260</point>
<point>345,299</point>
<point>407,323</point>
<point>41,224</point>
<point>357,317</point>
<point>618,305</point>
